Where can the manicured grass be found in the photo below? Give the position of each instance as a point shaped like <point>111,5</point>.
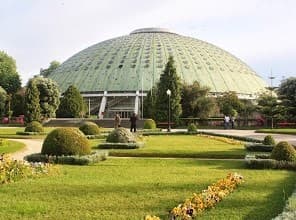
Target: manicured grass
<point>188,146</point>
<point>132,188</point>
<point>10,132</point>
<point>11,147</point>
<point>278,131</point>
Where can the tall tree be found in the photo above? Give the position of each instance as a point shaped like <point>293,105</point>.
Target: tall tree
<point>18,102</point>
<point>229,104</point>
<point>195,101</point>
<point>49,96</point>
<point>9,78</point>
<point>168,80</point>
<point>287,94</point>
<point>52,67</point>
<point>149,104</point>
<point>32,107</point>
<point>3,96</point>
<point>72,104</point>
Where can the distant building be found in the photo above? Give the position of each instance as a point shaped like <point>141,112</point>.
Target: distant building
<point>115,74</point>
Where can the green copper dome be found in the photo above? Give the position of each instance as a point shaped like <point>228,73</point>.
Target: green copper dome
<point>130,63</point>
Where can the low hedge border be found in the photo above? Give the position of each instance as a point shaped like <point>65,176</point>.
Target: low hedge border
<point>30,133</point>
<point>253,163</point>
<point>276,132</point>
<point>168,133</point>
<point>69,159</point>
<point>246,139</point>
<point>289,211</point>
<point>258,147</point>
<point>98,136</point>
<point>122,146</point>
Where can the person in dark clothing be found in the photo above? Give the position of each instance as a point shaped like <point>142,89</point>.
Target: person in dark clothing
<point>133,120</point>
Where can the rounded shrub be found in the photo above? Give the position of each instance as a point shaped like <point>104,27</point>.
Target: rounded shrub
<point>121,135</point>
<point>149,124</point>
<point>34,126</point>
<point>89,128</point>
<point>268,140</point>
<point>191,128</point>
<point>283,151</point>
<point>66,141</point>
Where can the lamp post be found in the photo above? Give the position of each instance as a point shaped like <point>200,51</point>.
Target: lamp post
<point>169,110</point>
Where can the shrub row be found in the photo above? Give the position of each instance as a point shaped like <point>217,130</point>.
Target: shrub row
<point>120,145</point>
<point>259,147</point>
<point>246,139</point>
<point>98,136</point>
<point>289,211</point>
<point>14,170</point>
<point>207,199</point>
<point>27,133</point>
<point>69,159</point>
<point>168,133</point>
<point>253,163</point>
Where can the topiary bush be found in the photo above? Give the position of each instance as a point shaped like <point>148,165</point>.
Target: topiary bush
<point>34,126</point>
<point>149,124</point>
<point>89,128</point>
<point>269,140</point>
<point>66,141</point>
<point>283,151</point>
<point>121,135</point>
<point>191,128</point>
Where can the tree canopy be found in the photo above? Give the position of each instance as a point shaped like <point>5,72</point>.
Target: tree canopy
<point>229,104</point>
<point>3,96</point>
<point>32,106</point>
<point>168,80</point>
<point>52,66</point>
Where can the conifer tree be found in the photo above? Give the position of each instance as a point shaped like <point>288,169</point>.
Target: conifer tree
<point>168,80</point>
<point>32,107</point>
<point>72,104</point>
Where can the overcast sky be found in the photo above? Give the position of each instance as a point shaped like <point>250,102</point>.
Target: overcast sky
<point>260,32</point>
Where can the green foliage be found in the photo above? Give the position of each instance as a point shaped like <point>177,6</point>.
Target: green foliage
<point>34,126</point>
<point>268,105</point>
<point>66,141</point>
<point>32,107</point>
<point>270,164</point>
<point>52,67</point>
<point>149,124</point>
<point>3,96</point>
<point>72,105</point>
<point>120,145</point>
<point>18,102</point>
<point>247,109</point>
<point>121,135</point>
<point>283,151</point>
<point>49,96</point>
<point>287,91</point>
<point>258,147</point>
<point>149,103</point>
<point>89,128</point>
<point>229,103</point>
<point>196,102</point>
<point>191,128</point>
<point>9,78</point>
<point>68,159</point>
<point>269,140</point>
<point>168,80</point>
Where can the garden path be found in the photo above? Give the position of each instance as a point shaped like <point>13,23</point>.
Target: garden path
<point>32,146</point>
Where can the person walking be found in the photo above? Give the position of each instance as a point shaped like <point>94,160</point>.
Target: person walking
<point>117,121</point>
<point>226,121</point>
<point>133,120</point>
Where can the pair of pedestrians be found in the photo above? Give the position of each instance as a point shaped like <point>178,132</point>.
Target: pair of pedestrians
<point>133,121</point>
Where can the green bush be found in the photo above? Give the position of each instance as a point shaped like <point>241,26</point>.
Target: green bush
<point>120,145</point>
<point>69,159</point>
<point>149,124</point>
<point>283,151</point>
<point>258,147</point>
<point>269,140</point>
<point>191,128</point>
<point>121,135</point>
<point>34,126</point>
<point>89,128</point>
<point>270,164</point>
<point>66,141</point>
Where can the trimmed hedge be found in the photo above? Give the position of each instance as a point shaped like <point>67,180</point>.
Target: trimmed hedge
<point>283,151</point>
<point>89,128</point>
<point>253,163</point>
<point>246,139</point>
<point>259,147</point>
<point>121,135</point>
<point>66,141</point>
<point>70,159</point>
<point>149,124</point>
<point>269,140</point>
<point>120,145</point>
<point>34,126</point>
<point>191,128</point>
<point>30,133</point>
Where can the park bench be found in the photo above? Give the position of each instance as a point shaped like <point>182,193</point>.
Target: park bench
<point>165,124</point>
<point>286,124</point>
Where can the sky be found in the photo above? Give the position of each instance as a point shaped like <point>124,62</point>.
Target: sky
<point>262,33</point>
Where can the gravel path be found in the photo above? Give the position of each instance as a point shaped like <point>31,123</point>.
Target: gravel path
<point>32,146</point>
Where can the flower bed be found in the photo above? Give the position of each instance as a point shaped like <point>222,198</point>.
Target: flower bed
<point>207,199</point>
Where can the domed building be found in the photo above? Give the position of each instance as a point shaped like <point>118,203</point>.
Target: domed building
<point>115,74</point>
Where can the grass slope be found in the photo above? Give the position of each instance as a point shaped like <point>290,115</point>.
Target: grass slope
<point>190,146</point>
<point>278,131</point>
<point>132,188</point>
<point>11,147</point>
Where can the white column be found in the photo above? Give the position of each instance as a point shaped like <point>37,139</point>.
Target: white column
<point>103,105</point>
<point>136,110</point>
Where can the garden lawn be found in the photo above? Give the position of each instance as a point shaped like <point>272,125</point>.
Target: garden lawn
<point>278,131</point>
<point>10,132</point>
<point>11,147</point>
<point>132,188</point>
<point>185,146</point>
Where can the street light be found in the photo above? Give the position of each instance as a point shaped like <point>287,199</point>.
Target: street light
<point>168,92</point>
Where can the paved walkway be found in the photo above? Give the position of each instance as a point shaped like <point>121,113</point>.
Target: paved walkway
<point>32,146</point>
